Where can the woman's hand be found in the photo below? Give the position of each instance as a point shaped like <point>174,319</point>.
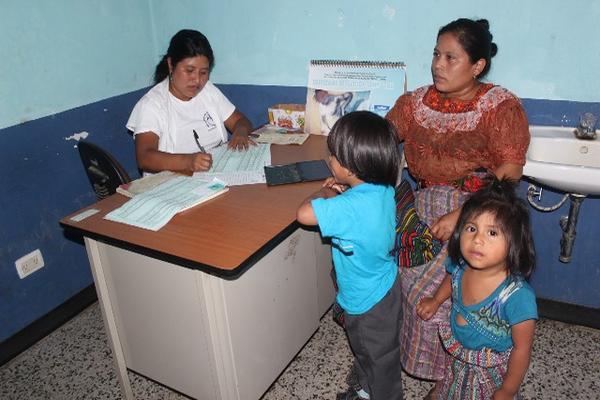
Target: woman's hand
<point>240,142</point>
<point>427,307</point>
<point>240,127</point>
<point>332,184</point>
<point>199,162</point>
<point>442,228</point>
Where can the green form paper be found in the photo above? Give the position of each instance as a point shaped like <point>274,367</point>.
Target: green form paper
<point>153,209</point>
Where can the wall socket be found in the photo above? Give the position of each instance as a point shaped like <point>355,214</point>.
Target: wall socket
<point>29,263</point>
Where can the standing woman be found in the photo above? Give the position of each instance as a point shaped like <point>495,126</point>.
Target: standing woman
<point>453,131</point>
<point>184,114</point>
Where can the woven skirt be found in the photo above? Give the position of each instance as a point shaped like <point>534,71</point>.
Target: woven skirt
<point>422,355</point>
<point>470,374</point>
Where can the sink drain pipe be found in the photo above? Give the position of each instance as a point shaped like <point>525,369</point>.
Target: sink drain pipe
<point>567,223</point>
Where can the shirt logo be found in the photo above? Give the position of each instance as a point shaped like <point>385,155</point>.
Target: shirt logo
<point>209,121</point>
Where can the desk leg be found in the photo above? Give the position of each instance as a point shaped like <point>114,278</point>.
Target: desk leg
<point>109,316</point>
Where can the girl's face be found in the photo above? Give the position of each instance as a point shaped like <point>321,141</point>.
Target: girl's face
<point>483,245</point>
<point>188,77</point>
<point>453,74</point>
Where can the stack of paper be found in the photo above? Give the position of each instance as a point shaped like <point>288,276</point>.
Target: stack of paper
<point>145,183</point>
<point>154,208</point>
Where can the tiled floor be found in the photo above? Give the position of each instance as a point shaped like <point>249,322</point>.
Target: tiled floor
<point>74,362</point>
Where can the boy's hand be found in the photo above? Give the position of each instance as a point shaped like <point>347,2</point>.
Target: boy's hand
<point>332,184</point>
<point>427,307</point>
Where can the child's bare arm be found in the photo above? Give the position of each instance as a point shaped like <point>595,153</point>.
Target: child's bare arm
<point>305,214</point>
<point>518,362</point>
<point>428,306</point>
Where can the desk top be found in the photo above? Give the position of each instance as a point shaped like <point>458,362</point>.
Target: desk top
<point>223,236</point>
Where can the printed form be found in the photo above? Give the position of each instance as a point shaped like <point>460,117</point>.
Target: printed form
<point>238,167</point>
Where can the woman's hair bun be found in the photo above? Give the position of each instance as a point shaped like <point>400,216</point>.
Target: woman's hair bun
<point>484,23</point>
<point>493,49</point>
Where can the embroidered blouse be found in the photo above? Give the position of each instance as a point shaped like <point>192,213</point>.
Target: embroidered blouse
<point>448,139</point>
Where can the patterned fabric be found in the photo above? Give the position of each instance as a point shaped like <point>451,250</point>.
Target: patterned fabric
<point>443,114</point>
<point>489,321</point>
<point>471,374</point>
<point>415,244</point>
<point>422,354</point>
<point>448,139</point>
<point>470,183</point>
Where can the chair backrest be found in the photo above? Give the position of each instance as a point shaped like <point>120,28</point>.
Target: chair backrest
<point>103,170</point>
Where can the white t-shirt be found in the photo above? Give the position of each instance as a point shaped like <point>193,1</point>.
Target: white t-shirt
<point>175,120</point>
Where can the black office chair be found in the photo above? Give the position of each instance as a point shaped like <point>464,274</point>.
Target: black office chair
<point>103,170</point>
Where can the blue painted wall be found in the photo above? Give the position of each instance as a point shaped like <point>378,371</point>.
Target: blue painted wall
<point>71,66</point>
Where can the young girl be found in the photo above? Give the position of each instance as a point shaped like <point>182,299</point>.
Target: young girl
<point>492,322</point>
<point>356,209</point>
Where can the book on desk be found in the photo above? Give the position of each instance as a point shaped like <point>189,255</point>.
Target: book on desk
<point>303,171</point>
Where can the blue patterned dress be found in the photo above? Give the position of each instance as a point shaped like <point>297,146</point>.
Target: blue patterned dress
<point>480,349</point>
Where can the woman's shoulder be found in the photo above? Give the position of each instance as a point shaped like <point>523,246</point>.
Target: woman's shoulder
<point>210,90</point>
<point>157,96</point>
<point>495,96</point>
<point>415,94</point>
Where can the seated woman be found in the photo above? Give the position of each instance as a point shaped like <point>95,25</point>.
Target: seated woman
<point>452,131</point>
<point>184,114</point>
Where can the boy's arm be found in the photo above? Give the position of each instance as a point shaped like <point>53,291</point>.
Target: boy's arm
<point>428,306</point>
<point>305,214</point>
<point>518,362</point>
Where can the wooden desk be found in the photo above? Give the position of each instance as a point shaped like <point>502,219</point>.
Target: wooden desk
<point>217,302</point>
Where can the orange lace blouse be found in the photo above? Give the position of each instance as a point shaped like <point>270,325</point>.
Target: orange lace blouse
<point>447,139</point>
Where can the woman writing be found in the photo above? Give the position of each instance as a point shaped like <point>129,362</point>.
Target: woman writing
<point>184,114</point>
<point>453,131</point>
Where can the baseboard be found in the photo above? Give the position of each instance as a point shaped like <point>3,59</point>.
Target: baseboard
<point>42,327</point>
<point>569,313</point>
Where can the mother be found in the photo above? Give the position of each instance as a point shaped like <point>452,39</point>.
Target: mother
<point>452,131</point>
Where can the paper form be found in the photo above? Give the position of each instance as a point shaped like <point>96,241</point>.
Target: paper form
<point>153,209</point>
<point>238,167</point>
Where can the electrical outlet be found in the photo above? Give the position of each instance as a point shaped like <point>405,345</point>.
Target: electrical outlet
<point>29,263</point>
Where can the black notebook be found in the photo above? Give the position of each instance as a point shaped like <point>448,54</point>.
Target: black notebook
<point>302,171</point>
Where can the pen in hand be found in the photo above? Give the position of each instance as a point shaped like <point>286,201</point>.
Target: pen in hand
<point>197,139</point>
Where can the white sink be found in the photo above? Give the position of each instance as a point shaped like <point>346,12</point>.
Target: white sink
<point>557,159</point>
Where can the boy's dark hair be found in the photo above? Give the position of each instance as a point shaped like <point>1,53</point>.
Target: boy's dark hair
<point>184,44</point>
<point>367,145</point>
<point>512,217</point>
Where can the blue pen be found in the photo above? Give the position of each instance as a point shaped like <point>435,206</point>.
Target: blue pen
<point>198,141</point>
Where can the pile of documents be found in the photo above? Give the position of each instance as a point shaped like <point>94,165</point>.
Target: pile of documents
<point>154,208</point>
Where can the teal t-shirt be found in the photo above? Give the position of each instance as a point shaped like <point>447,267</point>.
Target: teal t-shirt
<point>361,223</point>
<point>489,322</point>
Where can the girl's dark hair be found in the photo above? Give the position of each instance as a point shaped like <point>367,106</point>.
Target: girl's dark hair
<point>186,43</point>
<point>475,38</point>
<point>512,217</point>
<point>366,144</point>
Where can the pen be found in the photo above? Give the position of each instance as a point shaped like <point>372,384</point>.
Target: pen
<point>198,141</point>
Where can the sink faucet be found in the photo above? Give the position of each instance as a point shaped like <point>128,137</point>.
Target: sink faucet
<point>586,129</point>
